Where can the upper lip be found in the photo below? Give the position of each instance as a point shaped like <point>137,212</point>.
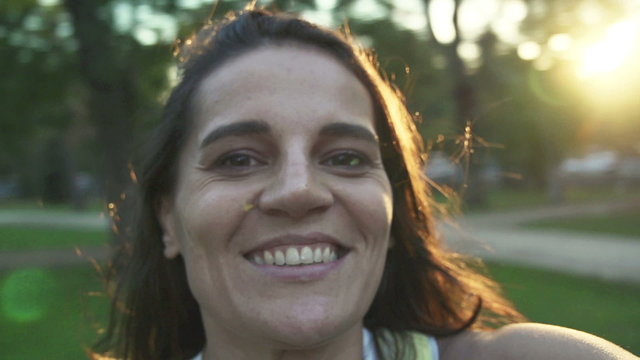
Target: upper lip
<point>296,239</point>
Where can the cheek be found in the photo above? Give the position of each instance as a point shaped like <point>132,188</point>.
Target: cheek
<point>370,203</point>
<point>215,210</point>
<point>208,218</point>
<point>369,206</point>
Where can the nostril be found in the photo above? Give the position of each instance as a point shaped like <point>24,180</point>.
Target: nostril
<point>287,198</point>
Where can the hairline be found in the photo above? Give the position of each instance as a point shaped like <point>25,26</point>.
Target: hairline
<point>353,64</point>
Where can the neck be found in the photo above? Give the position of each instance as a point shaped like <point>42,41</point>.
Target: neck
<point>345,346</point>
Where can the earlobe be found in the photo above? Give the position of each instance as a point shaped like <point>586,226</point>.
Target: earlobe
<point>168,228</point>
<point>171,247</point>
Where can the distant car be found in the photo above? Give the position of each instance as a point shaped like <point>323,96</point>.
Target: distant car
<point>443,170</point>
<point>595,164</point>
<point>601,167</point>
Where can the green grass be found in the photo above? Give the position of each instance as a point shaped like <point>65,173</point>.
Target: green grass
<point>619,223</point>
<point>47,313</point>
<point>93,204</point>
<point>32,204</point>
<point>15,237</point>
<point>582,194</point>
<point>504,199</point>
<point>609,310</point>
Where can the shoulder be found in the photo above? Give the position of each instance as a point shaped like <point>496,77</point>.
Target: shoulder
<point>530,341</point>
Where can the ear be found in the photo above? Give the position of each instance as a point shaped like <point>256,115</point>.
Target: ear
<point>168,225</point>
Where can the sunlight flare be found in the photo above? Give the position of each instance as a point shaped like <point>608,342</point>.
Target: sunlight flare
<point>611,51</point>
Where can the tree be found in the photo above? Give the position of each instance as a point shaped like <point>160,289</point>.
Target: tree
<point>465,108</point>
<point>36,56</point>
<point>107,65</point>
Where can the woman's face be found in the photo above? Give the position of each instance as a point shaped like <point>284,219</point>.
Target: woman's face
<point>282,209</point>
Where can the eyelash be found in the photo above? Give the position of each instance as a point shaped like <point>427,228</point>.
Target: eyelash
<point>224,162</point>
<point>345,160</point>
<point>360,160</point>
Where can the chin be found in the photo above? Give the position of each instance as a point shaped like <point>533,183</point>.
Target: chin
<point>310,328</point>
<point>302,337</point>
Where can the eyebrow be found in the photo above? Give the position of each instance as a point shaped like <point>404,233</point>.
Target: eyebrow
<point>341,129</point>
<point>252,127</point>
<point>249,127</point>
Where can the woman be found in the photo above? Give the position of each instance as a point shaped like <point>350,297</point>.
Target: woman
<point>285,215</point>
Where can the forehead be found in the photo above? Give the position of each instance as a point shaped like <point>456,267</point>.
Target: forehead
<point>281,81</point>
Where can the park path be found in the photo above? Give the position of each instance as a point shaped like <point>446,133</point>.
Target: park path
<point>491,236</point>
<point>501,237</point>
<point>53,257</point>
<point>53,218</point>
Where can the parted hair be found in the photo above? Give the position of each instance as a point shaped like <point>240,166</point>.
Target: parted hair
<point>424,288</point>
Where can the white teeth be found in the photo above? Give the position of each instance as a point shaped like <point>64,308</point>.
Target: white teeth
<point>268,258</point>
<point>326,255</point>
<point>293,256</point>
<point>280,260</point>
<point>332,256</point>
<point>306,255</point>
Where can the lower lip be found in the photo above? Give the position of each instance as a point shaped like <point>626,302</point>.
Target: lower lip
<point>301,273</point>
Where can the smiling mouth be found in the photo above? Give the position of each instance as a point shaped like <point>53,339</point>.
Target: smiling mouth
<point>298,255</point>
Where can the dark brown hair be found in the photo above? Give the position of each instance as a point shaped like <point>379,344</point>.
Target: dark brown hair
<point>424,287</point>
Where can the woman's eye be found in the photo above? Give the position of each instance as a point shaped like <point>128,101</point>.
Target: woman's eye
<point>237,161</point>
<point>347,160</point>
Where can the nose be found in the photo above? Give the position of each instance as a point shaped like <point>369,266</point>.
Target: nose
<point>296,190</point>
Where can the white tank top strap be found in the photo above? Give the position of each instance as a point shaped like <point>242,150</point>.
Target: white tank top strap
<point>435,353</point>
<point>368,347</point>
<point>426,346</point>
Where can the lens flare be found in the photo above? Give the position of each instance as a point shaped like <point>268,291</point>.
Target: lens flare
<point>24,294</point>
<point>611,51</point>
<point>529,50</point>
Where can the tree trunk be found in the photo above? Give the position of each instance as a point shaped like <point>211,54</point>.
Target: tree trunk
<point>464,97</point>
<point>106,69</point>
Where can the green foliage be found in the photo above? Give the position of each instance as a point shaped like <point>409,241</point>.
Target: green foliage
<point>524,117</point>
<point>37,81</point>
<point>534,116</point>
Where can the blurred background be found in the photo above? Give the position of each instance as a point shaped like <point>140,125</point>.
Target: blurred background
<point>530,110</point>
